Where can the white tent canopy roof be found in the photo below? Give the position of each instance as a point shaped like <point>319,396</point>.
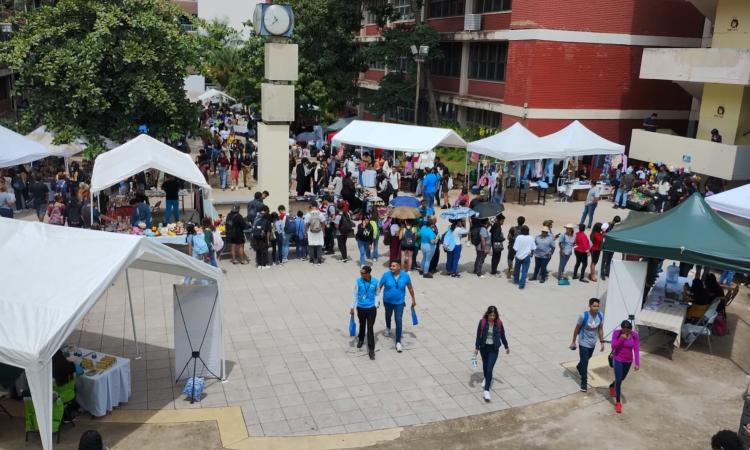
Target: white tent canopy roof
<point>139,154</point>
<point>393,136</point>
<point>577,140</point>
<point>46,138</point>
<point>734,201</point>
<point>16,149</point>
<point>515,144</point>
<point>214,94</point>
<point>39,316</point>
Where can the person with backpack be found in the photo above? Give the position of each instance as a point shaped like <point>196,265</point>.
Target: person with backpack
<point>589,328</point>
<point>428,240</point>
<point>480,239</point>
<point>496,240</point>
<point>408,236</point>
<point>213,239</point>
<point>315,228</point>
<point>366,305</point>
<point>364,237</point>
<point>254,206</point>
<point>261,231</point>
<point>235,232</point>
<point>394,231</point>
<point>285,228</point>
<point>512,233</point>
<point>56,211</point>
<point>329,235</point>
<point>197,248</point>
<point>344,225</point>
<point>394,283</point>
<point>625,353</point>
<point>490,335</point>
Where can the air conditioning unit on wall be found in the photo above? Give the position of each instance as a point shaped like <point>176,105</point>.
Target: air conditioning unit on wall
<point>472,22</point>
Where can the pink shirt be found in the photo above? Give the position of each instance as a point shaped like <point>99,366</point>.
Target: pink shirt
<point>626,350</point>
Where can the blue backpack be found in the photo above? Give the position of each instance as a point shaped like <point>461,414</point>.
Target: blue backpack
<point>586,320</point>
<point>199,244</point>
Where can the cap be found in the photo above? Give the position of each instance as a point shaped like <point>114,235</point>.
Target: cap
<point>605,226</point>
<point>570,225</point>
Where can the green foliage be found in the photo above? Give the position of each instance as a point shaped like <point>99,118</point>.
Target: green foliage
<point>101,68</point>
<point>470,134</point>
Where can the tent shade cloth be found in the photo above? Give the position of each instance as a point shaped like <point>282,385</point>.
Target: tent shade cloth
<point>16,149</point>
<point>340,124</point>
<point>393,136</point>
<point>515,143</point>
<point>577,140</point>
<point>139,154</point>
<point>691,232</point>
<point>37,319</point>
<point>215,94</point>
<point>46,138</point>
<point>734,201</point>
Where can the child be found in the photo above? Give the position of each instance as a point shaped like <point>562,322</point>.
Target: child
<point>300,236</point>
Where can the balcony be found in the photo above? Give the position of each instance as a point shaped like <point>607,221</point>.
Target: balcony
<point>697,65</point>
<point>728,162</point>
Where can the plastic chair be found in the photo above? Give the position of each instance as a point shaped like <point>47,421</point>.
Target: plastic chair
<point>691,332</point>
<point>31,425</point>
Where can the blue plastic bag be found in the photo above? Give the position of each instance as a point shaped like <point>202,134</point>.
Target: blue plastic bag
<point>414,319</point>
<point>352,327</point>
<point>194,388</point>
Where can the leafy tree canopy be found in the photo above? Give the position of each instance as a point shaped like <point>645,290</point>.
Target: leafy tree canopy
<point>101,68</point>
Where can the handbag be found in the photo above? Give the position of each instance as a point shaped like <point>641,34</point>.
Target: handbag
<point>611,360</point>
<point>414,318</point>
<point>352,327</point>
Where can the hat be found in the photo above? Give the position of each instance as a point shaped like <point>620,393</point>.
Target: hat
<point>570,225</point>
<point>605,226</point>
<point>236,207</point>
<point>545,230</point>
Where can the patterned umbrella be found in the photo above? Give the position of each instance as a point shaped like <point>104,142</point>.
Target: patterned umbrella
<point>405,213</point>
<point>458,213</point>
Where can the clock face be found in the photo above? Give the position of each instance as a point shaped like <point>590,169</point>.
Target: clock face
<point>277,20</point>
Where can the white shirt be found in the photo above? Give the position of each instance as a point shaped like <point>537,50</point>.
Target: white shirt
<point>458,233</point>
<point>315,238</point>
<point>395,178</point>
<point>523,246</point>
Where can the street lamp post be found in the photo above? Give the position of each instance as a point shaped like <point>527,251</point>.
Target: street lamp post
<point>420,56</point>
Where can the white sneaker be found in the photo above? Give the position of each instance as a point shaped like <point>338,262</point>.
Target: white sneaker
<point>486,396</point>
<point>398,347</point>
<point>387,332</point>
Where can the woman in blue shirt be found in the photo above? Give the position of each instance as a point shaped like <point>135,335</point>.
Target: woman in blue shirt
<point>429,240</point>
<point>395,283</point>
<point>365,291</point>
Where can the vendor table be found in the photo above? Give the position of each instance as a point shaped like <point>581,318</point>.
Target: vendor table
<point>102,392</point>
<point>665,313</point>
<point>179,239</point>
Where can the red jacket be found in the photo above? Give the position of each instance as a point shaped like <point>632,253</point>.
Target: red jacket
<point>583,245</point>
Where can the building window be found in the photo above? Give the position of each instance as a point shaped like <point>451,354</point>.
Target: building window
<point>447,112</point>
<point>487,60</point>
<point>402,64</point>
<point>482,118</point>
<point>487,6</point>
<point>404,114</point>
<point>445,8</point>
<point>450,64</point>
<point>370,17</point>
<point>403,10</point>
<point>376,65</point>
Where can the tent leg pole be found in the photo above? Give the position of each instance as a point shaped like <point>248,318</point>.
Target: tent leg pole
<point>92,208</point>
<point>132,316</point>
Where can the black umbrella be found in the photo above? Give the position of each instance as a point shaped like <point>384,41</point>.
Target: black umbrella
<point>486,210</point>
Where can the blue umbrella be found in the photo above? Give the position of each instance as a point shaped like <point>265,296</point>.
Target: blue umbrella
<point>410,202</point>
<point>458,213</point>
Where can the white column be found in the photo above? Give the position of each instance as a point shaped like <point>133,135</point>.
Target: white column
<point>273,163</point>
<point>463,85</point>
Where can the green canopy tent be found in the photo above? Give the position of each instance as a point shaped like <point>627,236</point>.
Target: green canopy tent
<point>691,232</point>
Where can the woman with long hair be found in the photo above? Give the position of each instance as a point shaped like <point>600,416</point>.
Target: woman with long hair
<point>625,352</point>
<point>490,334</point>
<point>234,165</point>
<point>596,237</point>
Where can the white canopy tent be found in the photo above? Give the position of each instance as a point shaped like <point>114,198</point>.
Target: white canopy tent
<point>577,140</point>
<point>38,320</point>
<point>734,201</point>
<point>16,149</point>
<point>212,95</point>
<point>515,143</point>
<point>65,151</point>
<point>397,137</point>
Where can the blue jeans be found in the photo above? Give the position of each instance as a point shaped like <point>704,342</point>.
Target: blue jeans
<point>726,277</point>
<point>364,251</point>
<point>563,262</point>
<point>214,261</point>
<point>489,358</point>
<point>621,197</point>
<point>223,178</point>
<point>451,266</point>
<point>540,268</point>
<point>172,207</point>
<point>285,246</point>
<point>584,354</point>
<point>390,309</point>
<point>301,249</point>
<point>427,251</point>
<point>375,247</point>
<point>588,210</point>
<point>429,197</point>
<point>621,371</point>
<point>522,268</point>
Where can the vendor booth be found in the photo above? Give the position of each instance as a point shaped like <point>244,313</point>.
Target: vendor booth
<point>689,233</point>
<point>65,151</point>
<point>215,96</point>
<point>143,153</point>
<point>16,149</point>
<point>39,319</point>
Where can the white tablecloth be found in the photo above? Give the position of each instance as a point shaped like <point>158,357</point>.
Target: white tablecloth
<point>663,313</point>
<point>101,393</point>
<point>182,239</point>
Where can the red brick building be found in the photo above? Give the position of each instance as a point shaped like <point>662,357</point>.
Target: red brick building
<point>546,62</point>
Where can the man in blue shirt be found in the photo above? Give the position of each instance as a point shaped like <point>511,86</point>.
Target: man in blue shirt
<point>395,283</point>
<point>429,186</point>
<point>365,291</point>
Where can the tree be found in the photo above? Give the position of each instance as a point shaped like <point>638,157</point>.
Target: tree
<point>101,68</point>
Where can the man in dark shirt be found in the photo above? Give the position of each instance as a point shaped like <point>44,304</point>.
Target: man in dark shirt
<point>171,188</point>
<point>649,123</point>
<point>715,136</point>
<point>40,194</point>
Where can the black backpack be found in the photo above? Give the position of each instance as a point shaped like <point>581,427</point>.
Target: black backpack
<point>259,228</point>
<point>409,240</point>
<point>364,233</point>
<point>475,237</point>
<point>345,225</point>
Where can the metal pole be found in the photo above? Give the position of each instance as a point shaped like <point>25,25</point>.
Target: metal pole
<point>416,100</point>
<point>132,316</point>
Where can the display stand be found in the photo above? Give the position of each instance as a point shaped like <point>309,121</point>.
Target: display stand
<point>624,294</point>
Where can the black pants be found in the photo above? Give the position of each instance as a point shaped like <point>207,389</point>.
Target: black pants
<point>342,245</point>
<point>496,256</point>
<point>582,259</point>
<point>328,238</point>
<point>606,263</point>
<point>261,252</point>
<point>316,254</point>
<point>274,254</point>
<point>479,262</point>
<point>511,257</point>
<point>435,260</point>
<point>367,320</point>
